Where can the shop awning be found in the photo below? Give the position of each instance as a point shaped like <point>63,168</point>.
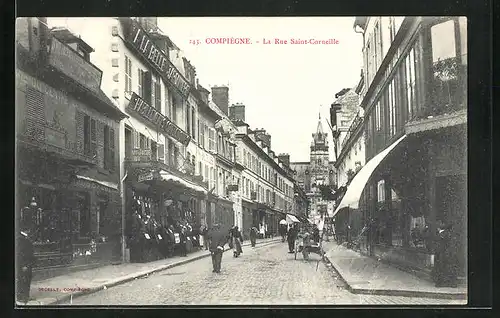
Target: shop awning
<point>104,183</point>
<point>355,188</point>
<point>169,177</point>
<point>292,219</point>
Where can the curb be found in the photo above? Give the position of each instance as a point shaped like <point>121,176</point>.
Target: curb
<point>125,279</point>
<point>393,292</point>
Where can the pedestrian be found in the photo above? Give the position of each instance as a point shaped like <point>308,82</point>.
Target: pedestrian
<point>218,239</point>
<point>254,232</point>
<point>183,241</point>
<point>230,238</point>
<point>25,263</point>
<point>292,236</point>
<point>444,272</point>
<point>237,240</point>
<point>204,234</point>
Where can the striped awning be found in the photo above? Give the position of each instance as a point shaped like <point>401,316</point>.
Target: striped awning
<point>292,219</point>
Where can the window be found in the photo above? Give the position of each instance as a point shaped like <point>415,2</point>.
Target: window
<point>161,152</point>
<point>154,151</point>
<point>128,143</point>
<point>140,82</point>
<point>211,139</point>
<point>128,74</point>
<point>109,148</point>
<point>410,84</point>
<point>188,120</point>
<point>193,121</point>
<point>84,215</point>
<point>206,173</point>
<point>378,116</point>
<point>392,108</point>
<point>200,169</point>
<point>443,41</point>
<point>89,136</point>
<point>381,191</point>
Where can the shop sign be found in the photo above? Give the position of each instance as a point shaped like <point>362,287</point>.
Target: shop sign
<point>232,187</point>
<point>145,177</point>
<point>74,65</point>
<point>139,106</point>
<point>143,43</point>
<point>141,154</point>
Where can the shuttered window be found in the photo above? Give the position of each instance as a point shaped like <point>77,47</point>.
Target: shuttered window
<point>109,148</point>
<point>128,74</point>
<point>156,95</point>
<point>93,137</point>
<point>35,113</point>
<point>140,82</point>
<point>211,139</point>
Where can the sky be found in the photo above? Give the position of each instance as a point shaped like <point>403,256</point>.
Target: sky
<point>283,86</point>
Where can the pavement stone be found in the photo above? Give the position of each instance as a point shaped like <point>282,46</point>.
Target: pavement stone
<point>265,275</point>
<point>75,284</point>
<point>365,275</point>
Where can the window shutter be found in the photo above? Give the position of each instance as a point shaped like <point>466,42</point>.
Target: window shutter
<point>79,119</point>
<point>93,137</point>
<point>35,113</point>
<point>147,87</point>
<point>112,149</point>
<point>158,95</point>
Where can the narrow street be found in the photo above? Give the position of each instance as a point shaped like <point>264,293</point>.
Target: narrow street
<point>261,276</point>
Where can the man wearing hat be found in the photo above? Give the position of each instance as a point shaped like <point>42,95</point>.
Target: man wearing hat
<point>218,239</point>
<point>24,265</point>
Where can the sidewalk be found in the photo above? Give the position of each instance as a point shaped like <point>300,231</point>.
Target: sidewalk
<point>365,275</point>
<point>62,288</point>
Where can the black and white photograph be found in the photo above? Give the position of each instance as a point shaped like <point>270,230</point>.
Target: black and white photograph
<point>214,161</point>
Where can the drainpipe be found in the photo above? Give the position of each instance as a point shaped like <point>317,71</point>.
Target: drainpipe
<point>122,188</point>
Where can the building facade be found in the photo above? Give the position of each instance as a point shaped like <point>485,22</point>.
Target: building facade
<point>267,185</point>
<point>349,138</point>
<point>317,172</point>
<point>67,149</point>
<point>416,75</point>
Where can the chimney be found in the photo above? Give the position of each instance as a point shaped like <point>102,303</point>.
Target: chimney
<point>260,134</point>
<point>285,158</point>
<point>220,96</point>
<point>237,112</point>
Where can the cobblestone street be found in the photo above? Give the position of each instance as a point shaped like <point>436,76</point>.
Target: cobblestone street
<point>261,276</point>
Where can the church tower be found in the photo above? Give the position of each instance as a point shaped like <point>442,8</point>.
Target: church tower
<point>319,156</point>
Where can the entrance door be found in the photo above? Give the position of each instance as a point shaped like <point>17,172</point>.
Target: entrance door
<point>451,201</point>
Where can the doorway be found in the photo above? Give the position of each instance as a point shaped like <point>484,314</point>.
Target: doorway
<point>451,207</point>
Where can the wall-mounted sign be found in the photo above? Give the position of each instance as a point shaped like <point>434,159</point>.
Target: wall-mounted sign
<point>143,43</point>
<point>232,187</point>
<point>145,177</point>
<point>74,65</point>
<point>141,154</point>
<point>164,124</point>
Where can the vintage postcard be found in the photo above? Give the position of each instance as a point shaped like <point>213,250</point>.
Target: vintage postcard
<point>241,161</point>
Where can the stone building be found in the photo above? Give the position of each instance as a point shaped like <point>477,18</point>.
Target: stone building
<point>67,137</point>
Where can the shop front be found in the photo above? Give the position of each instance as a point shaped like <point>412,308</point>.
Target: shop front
<point>161,207</point>
<point>248,208</point>
<point>419,182</point>
<point>72,212</point>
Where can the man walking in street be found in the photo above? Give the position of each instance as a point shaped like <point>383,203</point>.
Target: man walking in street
<point>292,236</point>
<point>24,268</point>
<point>218,239</point>
<point>254,232</point>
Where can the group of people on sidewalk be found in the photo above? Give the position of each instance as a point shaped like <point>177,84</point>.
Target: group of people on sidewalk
<point>150,240</point>
<point>310,239</point>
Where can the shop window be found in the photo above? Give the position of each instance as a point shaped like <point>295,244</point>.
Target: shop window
<point>418,232</point>
<point>398,220</point>
<point>381,191</point>
<point>103,217</point>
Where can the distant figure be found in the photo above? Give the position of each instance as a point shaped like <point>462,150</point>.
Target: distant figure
<point>254,232</point>
<point>292,236</point>
<point>204,234</point>
<point>445,262</point>
<point>25,263</point>
<point>237,240</point>
<point>218,239</point>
